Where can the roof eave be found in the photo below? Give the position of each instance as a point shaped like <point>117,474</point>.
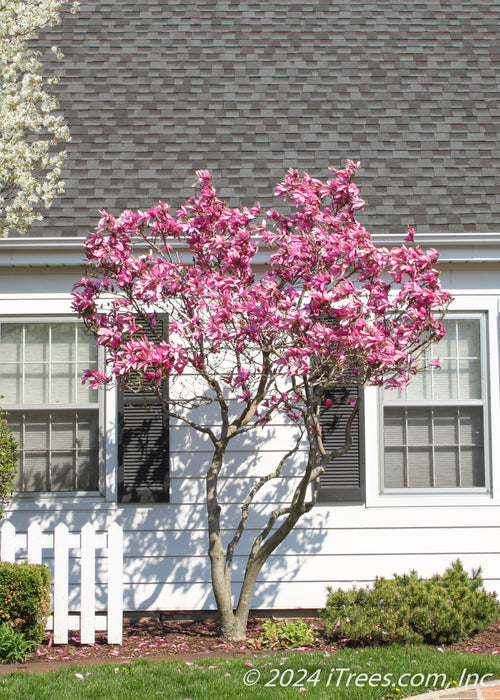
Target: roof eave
<point>69,252</point>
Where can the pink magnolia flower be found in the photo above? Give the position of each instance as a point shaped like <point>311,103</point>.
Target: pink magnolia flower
<point>328,304</point>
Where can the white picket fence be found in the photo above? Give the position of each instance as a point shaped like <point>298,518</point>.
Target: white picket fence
<point>36,546</point>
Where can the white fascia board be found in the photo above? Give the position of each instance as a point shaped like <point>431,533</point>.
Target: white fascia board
<point>452,247</point>
<point>41,252</point>
<point>69,252</point>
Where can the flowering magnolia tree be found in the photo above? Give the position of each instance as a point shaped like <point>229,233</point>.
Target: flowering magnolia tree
<point>30,130</point>
<point>329,309</point>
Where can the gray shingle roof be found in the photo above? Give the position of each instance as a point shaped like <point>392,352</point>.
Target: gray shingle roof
<point>154,91</point>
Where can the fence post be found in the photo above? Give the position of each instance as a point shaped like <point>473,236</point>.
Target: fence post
<point>8,551</point>
<point>61,580</point>
<point>115,584</point>
<point>34,549</point>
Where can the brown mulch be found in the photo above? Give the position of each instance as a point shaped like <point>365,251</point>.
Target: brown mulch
<point>487,642</point>
<point>152,639</point>
<point>195,639</point>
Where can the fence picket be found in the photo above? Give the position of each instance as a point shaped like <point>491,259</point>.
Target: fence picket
<point>8,542</point>
<point>61,583</point>
<point>34,549</point>
<point>115,584</point>
<point>87,562</point>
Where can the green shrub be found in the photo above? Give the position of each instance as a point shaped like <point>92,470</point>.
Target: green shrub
<point>287,634</point>
<point>411,610</point>
<point>14,648</point>
<point>25,598</point>
<point>8,461</point>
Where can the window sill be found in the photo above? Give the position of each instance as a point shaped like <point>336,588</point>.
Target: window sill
<point>58,501</point>
<point>416,498</point>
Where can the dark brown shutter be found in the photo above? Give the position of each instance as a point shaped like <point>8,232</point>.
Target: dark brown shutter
<point>344,477</point>
<point>143,446</point>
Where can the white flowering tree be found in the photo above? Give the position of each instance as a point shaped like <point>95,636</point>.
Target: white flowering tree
<point>30,129</point>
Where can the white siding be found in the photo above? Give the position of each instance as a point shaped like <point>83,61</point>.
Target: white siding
<point>166,567</point>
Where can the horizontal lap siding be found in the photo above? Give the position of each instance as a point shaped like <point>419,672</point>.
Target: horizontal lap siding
<point>313,567</point>
<point>166,567</point>
<point>295,595</point>
<point>165,544</point>
<point>175,517</point>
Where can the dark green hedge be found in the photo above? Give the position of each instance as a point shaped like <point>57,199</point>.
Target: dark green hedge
<point>408,609</point>
<point>25,598</point>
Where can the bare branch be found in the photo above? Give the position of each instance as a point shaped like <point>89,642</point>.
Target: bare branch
<point>246,504</point>
<point>196,426</point>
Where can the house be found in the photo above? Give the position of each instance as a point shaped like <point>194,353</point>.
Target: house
<point>247,89</point>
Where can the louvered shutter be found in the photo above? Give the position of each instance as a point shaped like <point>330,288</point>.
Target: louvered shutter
<point>344,477</point>
<point>143,446</point>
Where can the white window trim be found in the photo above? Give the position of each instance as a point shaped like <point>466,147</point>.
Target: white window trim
<point>376,496</point>
<point>108,452</point>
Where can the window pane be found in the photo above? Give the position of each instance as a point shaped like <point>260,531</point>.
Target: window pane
<point>87,472</point>
<point>460,375</point>
<point>439,447</point>
<point>63,432</point>
<point>447,346</point>
<point>472,466</point>
<point>11,342</point>
<point>36,471</point>
<point>62,383</point>
<point>36,383</point>
<point>419,428</point>
<point>63,342</point>
<point>471,425</point>
<point>394,468</point>
<point>62,470</point>
<point>394,426</point>
<point>11,383</point>
<point>87,349</point>
<point>60,449</point>
<point>18,479</point>
<point>420,387</point>
<point>445,426</point>
<point>419,467</point>
<point>16,425</point>
<point>37,341</point>
<point>87,431</point>
<point>469,331</point>
<point>469,381</point>
<point>445,381</point>
<point>83,393</point>
<point>36,432</point>
<point>446,466</point>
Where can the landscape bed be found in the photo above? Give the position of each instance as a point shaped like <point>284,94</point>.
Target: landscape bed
<point>191,638</point>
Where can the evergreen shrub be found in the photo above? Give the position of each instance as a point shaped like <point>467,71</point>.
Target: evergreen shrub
<point>408,609</point>
<point>25,598</point>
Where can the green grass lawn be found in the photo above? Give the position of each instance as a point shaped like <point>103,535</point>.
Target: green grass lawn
<point>369,673</point>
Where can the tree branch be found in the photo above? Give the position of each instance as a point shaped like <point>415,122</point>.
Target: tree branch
<point>246,504</point>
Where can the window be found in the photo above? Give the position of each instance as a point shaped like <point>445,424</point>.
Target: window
<point>53,416</point>
<point>435,430</point>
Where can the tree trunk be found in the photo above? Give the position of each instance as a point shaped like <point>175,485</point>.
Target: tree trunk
<point>221,580</point>
<point>245,599</point>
